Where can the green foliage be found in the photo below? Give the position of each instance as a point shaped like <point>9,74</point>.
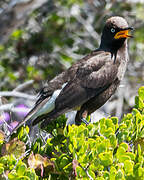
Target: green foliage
<point>104,150</point>
<point>16,169</point>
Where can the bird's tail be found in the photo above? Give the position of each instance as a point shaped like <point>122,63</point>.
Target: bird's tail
<point>36,111</point>
<point>45,107</point>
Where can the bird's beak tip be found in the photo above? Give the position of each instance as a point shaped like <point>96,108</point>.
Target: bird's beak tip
<point>130,28</point>
<point>124,33</point>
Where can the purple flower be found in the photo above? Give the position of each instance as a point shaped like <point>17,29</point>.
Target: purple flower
<point>4,117</point>
<point>12,125</point>
<point>23,110</point>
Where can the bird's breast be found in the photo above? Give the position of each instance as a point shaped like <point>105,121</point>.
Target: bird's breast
<point>122,68</point>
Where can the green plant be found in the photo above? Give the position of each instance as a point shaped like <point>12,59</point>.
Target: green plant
<point>104,150</point>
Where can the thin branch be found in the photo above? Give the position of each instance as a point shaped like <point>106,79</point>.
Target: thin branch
<point>22,157</point>
<point>5,107</point>
<point>86,171</point>
<point>9,107</point>
<point>17,94</point>
<point>24,86</point>
<point>15,16</point>
<point>5,125</point>
<point>89,28</point>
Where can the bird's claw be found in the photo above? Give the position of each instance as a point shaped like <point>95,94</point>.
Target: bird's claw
<point>84,121</point>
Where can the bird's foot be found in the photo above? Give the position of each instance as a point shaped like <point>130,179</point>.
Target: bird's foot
<point>84,121</point>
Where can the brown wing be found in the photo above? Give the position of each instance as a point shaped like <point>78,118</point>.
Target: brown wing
<point>64,77</point>
<point>94,76</point>
<point>51,86</point>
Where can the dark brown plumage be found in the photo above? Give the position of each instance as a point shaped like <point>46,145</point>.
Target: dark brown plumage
<point>91,81</point>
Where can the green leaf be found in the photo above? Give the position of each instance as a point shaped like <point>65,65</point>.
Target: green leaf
<point>20,169</point>
<point>106,175</point>
<point>141,92</point>
<point>2,136</point>
<point>124,145</point>
<point>106,158</point>
<point>65,131</point>
<point>102,146</point>
<point>119,175</point>
<point>17,34</point>
<point>12,175</point>
<point>123,158</point>
<point>139,103</point>
<point>131,155</point>
<point>64,160</point>
<point>113,172</point>
<point>114,120</point>
<point>1,169</point>
<point>30,173</point>
<point>128,166</point>
<point>93,129</point>
<point>141,172</point>
<point>23,178</point>
<point>92,174</point>
<point>113,140</point>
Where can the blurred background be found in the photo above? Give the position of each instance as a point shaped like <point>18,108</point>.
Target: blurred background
<point>41,38</point>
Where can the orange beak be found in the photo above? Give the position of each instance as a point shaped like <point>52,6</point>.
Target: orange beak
<point>123,33</point>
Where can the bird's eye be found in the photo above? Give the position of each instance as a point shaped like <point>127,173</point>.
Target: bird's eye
<point>112,30</point>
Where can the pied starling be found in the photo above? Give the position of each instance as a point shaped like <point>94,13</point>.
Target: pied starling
<point>88,83</point>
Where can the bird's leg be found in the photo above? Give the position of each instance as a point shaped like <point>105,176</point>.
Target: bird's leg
<point>84,116</point>
<point>84,121</point>
<point>81,117</point>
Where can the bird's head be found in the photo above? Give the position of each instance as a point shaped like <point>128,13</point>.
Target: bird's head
<point>115,32</point>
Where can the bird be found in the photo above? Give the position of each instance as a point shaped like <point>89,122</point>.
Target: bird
<point>88,83</point>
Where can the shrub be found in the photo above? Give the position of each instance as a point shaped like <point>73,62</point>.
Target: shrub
<point>104,150</point>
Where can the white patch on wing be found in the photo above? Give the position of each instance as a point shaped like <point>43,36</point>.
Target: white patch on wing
<point>50,104</point>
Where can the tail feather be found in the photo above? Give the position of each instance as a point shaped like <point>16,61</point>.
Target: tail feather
<point>42,109</point>
<point>46,117</point>
<point>51,116</point>
<point>38,119</point>
<point>33,114</point>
